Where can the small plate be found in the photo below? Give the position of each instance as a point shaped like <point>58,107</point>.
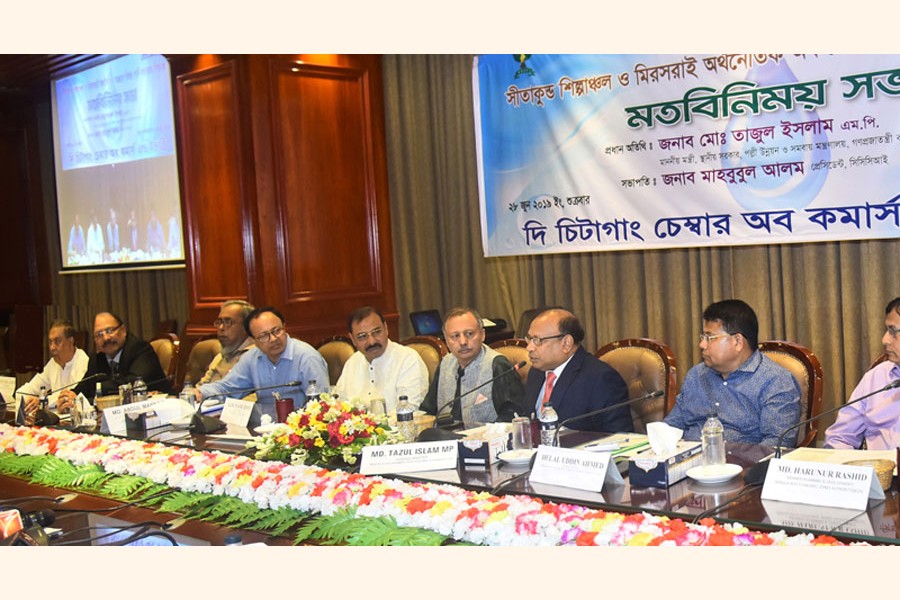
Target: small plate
<point>516,457</point>
<point>264,429</point>
<point>714,473</point>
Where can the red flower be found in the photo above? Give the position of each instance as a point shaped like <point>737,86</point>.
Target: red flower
<point>585,538</point>
<point>417,505</point>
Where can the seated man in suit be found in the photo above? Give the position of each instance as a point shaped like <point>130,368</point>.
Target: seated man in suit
<point>67,365</point>
<point>380,367</point>
<point>123,358</point>
<point>571,379</point>
<point>757,399</point>
<point>232,336</point>
<point>875,420</point>
<point>470,364</point>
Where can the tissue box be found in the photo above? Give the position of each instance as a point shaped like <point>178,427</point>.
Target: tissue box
<point>652,470</point>
<point>482,453</point>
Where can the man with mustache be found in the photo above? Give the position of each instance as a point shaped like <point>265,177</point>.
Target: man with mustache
<point>470,364</point>
<point>758,399</point>
<point>66,366</point>
<point>380,368</point>
<point>122,358</point>
<point>232,336</point>
<point>875,420</point>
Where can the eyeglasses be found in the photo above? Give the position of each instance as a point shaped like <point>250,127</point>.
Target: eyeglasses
<point>363,335</point>
<point>537,341</point>
<point>57,341</point>
<point>226,323</point>
<point>709,337</point>
<point>99,335</point>
<point>471,334</point>
<point>266,336</point>
<point>892,330</point>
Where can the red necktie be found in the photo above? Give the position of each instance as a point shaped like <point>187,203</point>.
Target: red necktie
<point>548,388</point>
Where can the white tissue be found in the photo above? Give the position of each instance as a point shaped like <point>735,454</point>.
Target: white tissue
<point>663,438</point>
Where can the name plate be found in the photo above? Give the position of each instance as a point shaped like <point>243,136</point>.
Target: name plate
<point>409,458</point>
<point>237,412</point>
<point>578,469</point>
<point>114,416</point>
<point>821,484</point>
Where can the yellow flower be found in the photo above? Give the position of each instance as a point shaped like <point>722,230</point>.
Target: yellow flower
<point>319,443</point>
<point>640,539</point>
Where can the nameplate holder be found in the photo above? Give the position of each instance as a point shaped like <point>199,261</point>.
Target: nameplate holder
<point>237,412</point>
<point>409,458</point>
<point>821,484</point>
<point>577,469</point>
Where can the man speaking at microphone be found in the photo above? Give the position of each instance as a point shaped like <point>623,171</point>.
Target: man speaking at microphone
<point>570,378</point>
<point>67,365</point>
<point>122,358</point>
<point>469,365</point>
<point>276,360</point>
<point>875,420</point>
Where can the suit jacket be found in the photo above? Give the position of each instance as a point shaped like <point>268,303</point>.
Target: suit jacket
<point>586,384</point>
<point>138,360</point>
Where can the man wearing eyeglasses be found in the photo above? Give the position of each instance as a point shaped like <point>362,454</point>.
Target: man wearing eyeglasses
<point>380,368</point>
<point>875,420</point>
<point>571,379</point>
<point>469,365</point>
<point>757,399</point>
<point>233,338</point>
<point>276,359</point>
<point>121,358</point>
<point>67,365</point>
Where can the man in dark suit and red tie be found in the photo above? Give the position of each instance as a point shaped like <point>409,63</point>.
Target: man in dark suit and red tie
<point>570,378</point>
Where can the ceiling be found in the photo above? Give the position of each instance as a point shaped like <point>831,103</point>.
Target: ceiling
<point>23,72</point>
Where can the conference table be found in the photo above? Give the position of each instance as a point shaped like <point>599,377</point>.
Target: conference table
<point>732,501</point>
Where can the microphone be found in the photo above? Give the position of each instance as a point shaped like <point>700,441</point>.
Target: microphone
<point>46,417</point>
<point>438,433</point>
<point>756,474</point>
<point>653,394</point>
<point>204,424</point>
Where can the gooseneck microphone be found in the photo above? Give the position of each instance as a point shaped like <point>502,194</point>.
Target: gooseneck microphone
<point>46,417</point>
<point>438,433</point>
<point>204,424</point>
<point>756,474</point>
<point>456,398</point>
<point>561,424</point>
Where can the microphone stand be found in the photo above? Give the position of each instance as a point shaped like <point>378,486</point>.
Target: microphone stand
<point>204,424</point>
<point>653,394</point>
<point>756,474</point>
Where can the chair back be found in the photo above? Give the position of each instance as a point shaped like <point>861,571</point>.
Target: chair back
<point>807,370</point>
<point>166,347</point>
<point>646,365</point>
<point>201,355</point>
<point>878,361</point>
<point>516,351</point>
<point>335,350</point>
<point>526,319</point>
<point>430,348</point>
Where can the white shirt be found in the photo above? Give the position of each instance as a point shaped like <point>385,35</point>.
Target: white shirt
<point>54,377</point>
<point>400,371</point>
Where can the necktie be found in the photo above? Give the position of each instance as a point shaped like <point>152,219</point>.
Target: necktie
<point>114,369</point>
<point>548,388</point>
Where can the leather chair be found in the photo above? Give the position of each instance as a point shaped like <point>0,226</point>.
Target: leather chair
<point>201,355</point>
<point>807,370</point>
<point>646,365</point>
<point>430,348</point>
<point>526,319</point>
<point>878,361</point>
<point>166,347</point>
<point>335,350</point>
<point>515,350</point>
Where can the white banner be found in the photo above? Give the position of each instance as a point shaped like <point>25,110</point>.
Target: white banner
<point>580,153</point>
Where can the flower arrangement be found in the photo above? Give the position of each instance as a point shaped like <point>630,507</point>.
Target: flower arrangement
<point>326,430</point>
<point>465,515</point>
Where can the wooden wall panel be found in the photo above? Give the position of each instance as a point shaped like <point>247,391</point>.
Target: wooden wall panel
<point>218,202</point>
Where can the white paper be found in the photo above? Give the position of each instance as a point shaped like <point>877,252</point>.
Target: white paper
<point>8,389</point>
<point>409,458</point>
<point>821,484</point>
<point>237,412</point>
<point>663,437</point>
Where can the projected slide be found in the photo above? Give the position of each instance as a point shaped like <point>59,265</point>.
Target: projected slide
<point>116,166</point>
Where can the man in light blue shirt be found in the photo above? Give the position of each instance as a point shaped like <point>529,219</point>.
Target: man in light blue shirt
<point>757,399</point>
<point>276,360</point>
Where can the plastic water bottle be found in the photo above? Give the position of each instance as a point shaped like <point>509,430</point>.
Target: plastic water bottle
<point>312,390</point>
<point>187,393</point>
<point>713,437</point>
<point>42,398</point>
<point>406,424</point>
<point>139,390</point>
<point>549,420</point>
<point>98,392</point>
